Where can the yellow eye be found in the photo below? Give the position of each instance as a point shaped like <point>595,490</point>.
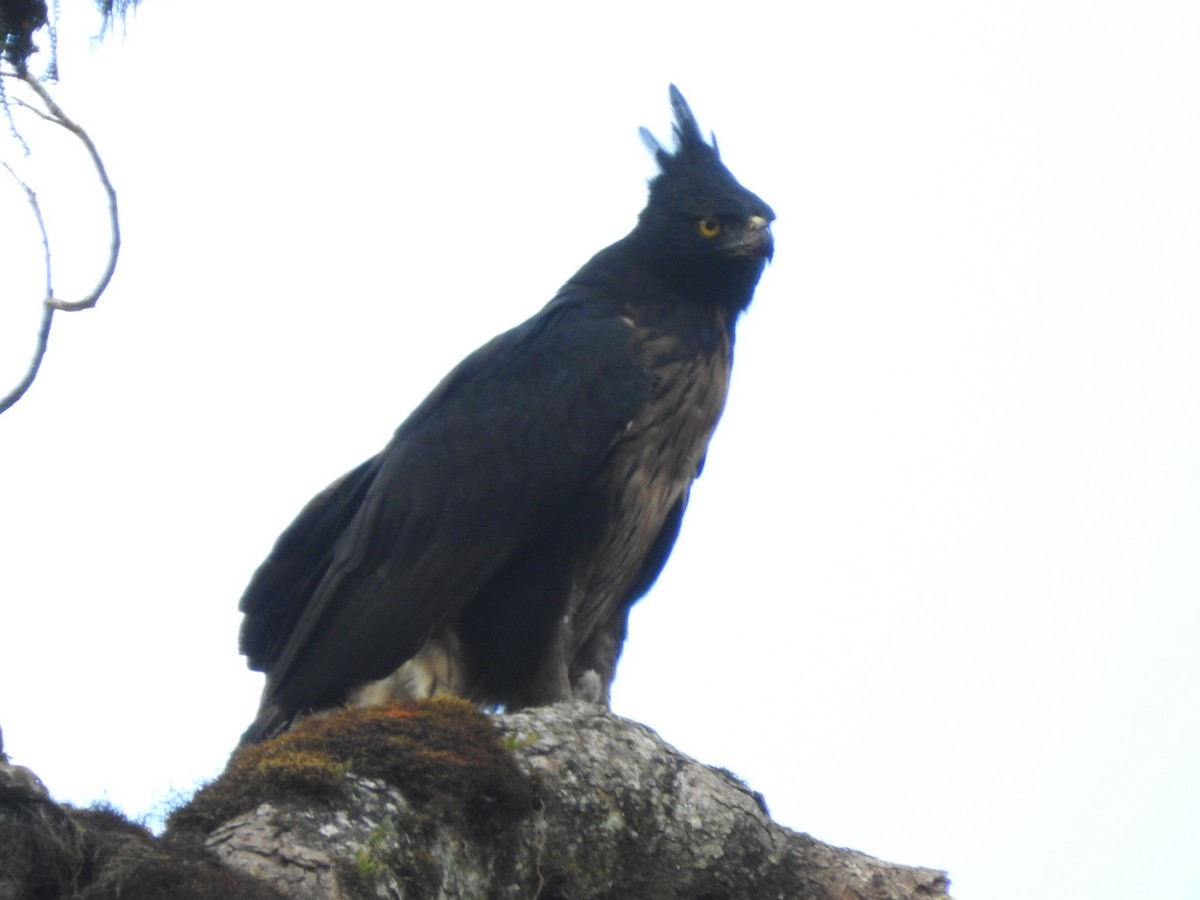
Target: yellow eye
<point>709,226</point>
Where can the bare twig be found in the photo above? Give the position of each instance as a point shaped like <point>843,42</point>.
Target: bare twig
<point>114,223</point>
<point>51,303</point>
<point>17,101</point>
<point>12,126</point>
<point>43,335</point>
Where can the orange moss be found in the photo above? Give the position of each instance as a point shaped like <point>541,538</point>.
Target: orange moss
<point>442,754</point>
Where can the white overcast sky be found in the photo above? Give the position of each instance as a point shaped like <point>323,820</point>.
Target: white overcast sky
<point>936,596</point>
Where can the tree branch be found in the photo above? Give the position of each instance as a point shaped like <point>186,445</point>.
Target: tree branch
<point>43,335</point>
<point>61,118</point>
<point>55,114</point>
<point>613,811</point>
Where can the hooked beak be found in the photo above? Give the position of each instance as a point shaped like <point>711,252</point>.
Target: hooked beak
<point>759,241</point>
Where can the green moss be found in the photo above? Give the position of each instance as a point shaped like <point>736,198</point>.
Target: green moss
<point>513,742</point>
<point>369,859</point>
<point>417,871</point>
<point>442,754</point>
<point>308,772</point>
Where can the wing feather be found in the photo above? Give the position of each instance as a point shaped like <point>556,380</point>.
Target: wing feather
<point>497,453</point>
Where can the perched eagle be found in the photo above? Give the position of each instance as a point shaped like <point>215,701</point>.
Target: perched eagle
<point>494,548</point>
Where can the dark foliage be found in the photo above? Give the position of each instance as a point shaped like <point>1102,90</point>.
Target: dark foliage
<point>122,859</point>
<point>115,10</point>
<point>49,851</point>
<point>19,19</point>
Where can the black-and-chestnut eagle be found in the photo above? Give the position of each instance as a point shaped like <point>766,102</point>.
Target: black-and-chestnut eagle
<point>494,548</point>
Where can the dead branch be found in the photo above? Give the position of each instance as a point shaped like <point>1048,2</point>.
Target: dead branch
<point>50,303</point>
<point>60,118</point>
<point>43,335</point>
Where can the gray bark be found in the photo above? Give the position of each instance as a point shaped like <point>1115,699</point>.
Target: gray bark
<point>618,814</point>
<point>572,803</point>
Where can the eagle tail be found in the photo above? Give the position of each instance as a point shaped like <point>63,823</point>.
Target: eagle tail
<point>270,721</point>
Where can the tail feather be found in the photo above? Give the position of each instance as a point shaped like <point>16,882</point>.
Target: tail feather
<point>271,720</point>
